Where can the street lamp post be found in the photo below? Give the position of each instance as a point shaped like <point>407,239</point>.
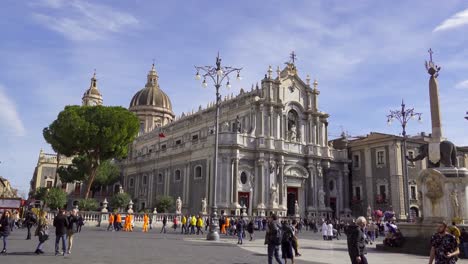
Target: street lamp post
<point>403,116</point>
<point>218,75</point>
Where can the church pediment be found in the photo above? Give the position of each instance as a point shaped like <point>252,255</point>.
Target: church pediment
<point>296,172</point>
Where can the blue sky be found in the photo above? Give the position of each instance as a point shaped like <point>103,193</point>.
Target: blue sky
<point>366,56</point>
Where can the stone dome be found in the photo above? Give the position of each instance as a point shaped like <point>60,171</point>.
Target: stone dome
<point>151,95</point>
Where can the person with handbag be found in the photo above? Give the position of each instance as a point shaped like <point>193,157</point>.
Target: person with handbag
<point>41,231</point>
<point>5,229</point>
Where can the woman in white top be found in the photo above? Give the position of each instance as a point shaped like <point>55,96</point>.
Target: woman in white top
<point>324,230</point>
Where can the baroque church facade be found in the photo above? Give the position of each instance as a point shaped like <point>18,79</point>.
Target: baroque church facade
<point>274,155</point>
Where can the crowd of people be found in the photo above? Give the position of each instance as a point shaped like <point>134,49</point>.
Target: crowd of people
<point>446,244</point>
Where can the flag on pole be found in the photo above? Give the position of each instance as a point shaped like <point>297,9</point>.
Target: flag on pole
<point>161,135</point>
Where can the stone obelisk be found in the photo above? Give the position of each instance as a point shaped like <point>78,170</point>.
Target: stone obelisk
<point>436,137</point>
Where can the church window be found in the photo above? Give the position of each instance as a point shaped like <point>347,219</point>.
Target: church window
<point>356,161</point>
<point>145,180</point>
<point>195,137</point>
<point>357,193</point>
<point>49,184</point>
<point>160,178</point>
<point>380,157</point>
<point>163,147</point>
<point>142,127</point>
<point>411,156</point>
<point>243,177</point>
<point>198,172</point>
<point>178,142</point>
<point>413,192</point>
<point>383,192</point>
<point>331,185</point>
<point>131,183</point>
<point>177,176</point>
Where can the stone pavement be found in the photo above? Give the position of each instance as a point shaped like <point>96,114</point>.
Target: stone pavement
<point>95,245</point>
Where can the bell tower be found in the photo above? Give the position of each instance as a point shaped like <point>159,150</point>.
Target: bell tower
<point>92,96</point>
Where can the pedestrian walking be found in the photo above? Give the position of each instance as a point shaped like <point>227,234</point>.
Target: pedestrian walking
<point>175,223</point>
<point>145,223</point>
<point>60,224</point>
<point>357,241</point>
<point>5,228</point>
<point>41,231</point>
<point>273,237</point>
<point>240,231</point>
<point>164,223</point>
<point>286,242</point>
<point>111,222</point>
<point>71,228</point>
<point>184,225</point>
<point>29,220</point>
<point>295,242</point>
<point>193,224</point>
<point>200,225</point>
<point>80,223</point>
<point>325,230</point>
<point>464,242</point>
<point>250,229</point>
<point>444,248</point>
<point>118,222</point>
<point>151,222</point>
<point>330,230</point>
<point>371,229</point>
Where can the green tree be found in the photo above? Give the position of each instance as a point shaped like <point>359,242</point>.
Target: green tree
<point>56,198</point>
<point>107,173</point>
<point>40,193</point>
<point>88,204</point>
<point>97,133</point>
<point>120,200</point>
<point>164,204</point>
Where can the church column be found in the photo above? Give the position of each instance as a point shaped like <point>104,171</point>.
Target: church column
<point>261,121</point>
<point>346,189</point>
<point>281,181</point>
<point>280,126</point>
<point>311,201</point>
<point>261,182</point>
<point>235,181</point>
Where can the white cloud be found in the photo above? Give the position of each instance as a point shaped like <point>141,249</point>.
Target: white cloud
<point>83,21</point>
<point>462,85</point>
<point>10,121</point>
<point>457,20</point>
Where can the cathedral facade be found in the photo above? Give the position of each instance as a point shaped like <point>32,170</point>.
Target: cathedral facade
<point>274,155</point>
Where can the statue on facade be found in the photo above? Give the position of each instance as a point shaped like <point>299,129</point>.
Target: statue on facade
<point>225,127</point>
<point>296,208</point>
<point>237,125</point>
<point>272,167</point>
<point>321,198</point>
<point>274,195</point>
<point>293,133</point>
<point>203,206</point>
<point>178,205</point>
<point>455,203</point>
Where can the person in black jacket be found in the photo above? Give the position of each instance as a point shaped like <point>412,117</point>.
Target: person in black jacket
<point>357,241</point>
<point>71,228</point>
<point>61,225</point>
<point>29,220</point>
<point>5,222</point>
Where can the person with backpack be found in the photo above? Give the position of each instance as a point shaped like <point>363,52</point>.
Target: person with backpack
<point>286,242</point>
<point>273,237</point>
<point>71,228</point>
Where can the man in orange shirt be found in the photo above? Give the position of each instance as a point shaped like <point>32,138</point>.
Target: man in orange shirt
<point>111,222</point>
<point>145,222</point>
